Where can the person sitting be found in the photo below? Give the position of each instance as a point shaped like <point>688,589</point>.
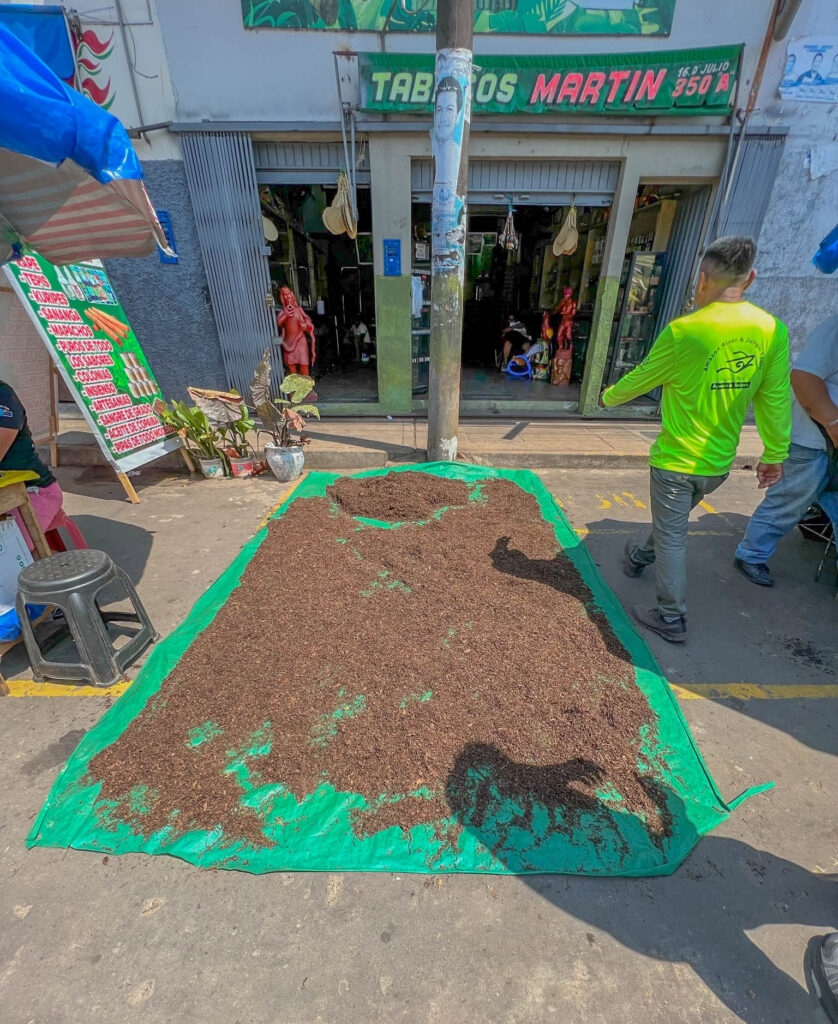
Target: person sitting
<point>514,337</point>
<point>17,451</point>
<point>359,336</point>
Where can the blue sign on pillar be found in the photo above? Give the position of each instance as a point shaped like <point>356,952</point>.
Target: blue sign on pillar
<point>392,257</point>
<point>166,224</point>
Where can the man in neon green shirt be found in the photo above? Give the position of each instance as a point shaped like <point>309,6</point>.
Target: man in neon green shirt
<point>712,364</point>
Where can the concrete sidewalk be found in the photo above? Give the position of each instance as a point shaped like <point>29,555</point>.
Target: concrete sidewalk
<point>533,444</point>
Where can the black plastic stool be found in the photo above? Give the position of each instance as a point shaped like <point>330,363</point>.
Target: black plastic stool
<point>71,582</point>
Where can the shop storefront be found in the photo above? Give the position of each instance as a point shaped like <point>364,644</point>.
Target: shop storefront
<point>592,182</point>
<point>583,241</point>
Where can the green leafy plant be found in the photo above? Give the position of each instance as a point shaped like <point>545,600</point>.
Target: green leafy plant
<point>280,416</point>
<point>192,424</point>
<point>227,414</point>
<point>235,434</point>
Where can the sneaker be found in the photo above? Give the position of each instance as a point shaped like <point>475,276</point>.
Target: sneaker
<point>675,632</point>
<point>630,567</point>
<point>823,973</point>
<point>757,572</point>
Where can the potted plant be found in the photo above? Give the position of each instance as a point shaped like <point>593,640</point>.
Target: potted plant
<point>236,446</point>
<point>229,417</point>
<point>201,438</point>
<point>280,416</point>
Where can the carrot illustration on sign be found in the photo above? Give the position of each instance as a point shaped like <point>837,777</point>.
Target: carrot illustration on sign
<point>115,329</point>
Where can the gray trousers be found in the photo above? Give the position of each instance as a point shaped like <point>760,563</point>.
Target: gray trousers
<point>674,496</point>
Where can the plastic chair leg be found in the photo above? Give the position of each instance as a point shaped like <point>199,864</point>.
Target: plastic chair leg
<point>92,641</point>
<point>139,608</point>
<point>55,540</point>
<point>33,648</point>
<point>75,533</point>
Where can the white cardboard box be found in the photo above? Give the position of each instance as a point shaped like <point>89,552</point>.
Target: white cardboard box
<point>14,556</point>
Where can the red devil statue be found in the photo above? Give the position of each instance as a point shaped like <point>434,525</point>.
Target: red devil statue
<point>297,332</point>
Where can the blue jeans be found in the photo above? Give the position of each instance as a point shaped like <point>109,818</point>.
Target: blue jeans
<point>805,478</point>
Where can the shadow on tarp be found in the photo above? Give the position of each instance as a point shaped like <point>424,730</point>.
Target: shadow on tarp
<point>316,833</point>
<point>699,918</point>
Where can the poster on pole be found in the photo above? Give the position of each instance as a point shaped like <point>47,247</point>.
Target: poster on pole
<point>87,334</point>
<point>452,116</point>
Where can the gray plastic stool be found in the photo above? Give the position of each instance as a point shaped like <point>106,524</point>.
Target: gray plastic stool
<point>71,581</point>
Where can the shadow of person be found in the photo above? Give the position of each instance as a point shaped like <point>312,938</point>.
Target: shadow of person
<point>557,573</point>
<point>698,916</point>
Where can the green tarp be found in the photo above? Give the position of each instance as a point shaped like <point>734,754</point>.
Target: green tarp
<point>315,834</point>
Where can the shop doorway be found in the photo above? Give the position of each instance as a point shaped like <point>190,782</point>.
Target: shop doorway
<point>524,304</point>
<point>332,279</point>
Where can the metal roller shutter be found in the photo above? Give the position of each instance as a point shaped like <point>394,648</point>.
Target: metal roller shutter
<point>531,182</point>
<point>305,163</point>
<point>754,174</point>
<point>682,253</point>
<point>225,198</point>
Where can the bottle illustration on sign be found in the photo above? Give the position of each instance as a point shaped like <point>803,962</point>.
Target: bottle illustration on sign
<point>68,284</point>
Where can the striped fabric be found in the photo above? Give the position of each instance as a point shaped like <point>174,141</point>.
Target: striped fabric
<point>66,216</point>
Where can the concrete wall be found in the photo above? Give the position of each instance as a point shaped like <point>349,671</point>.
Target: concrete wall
<point>168,303</point>
<point>803,210</point>
<point>272,75</point>
<point>133,70</point>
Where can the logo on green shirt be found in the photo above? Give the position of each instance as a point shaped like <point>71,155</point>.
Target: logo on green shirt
<point>740,361</point>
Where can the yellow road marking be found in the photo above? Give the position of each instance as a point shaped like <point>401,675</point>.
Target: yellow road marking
<point>693,691</point>
<point>637,502</point>
<point>584,531</point>
<point>753,691</point>
<point>714,512</point>
<point>603,503</point>
<point>286,494</point>
<point>31,688</point>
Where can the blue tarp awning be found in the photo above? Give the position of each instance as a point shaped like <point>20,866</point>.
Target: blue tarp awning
<point>44,30</point>
<point>70,181</point>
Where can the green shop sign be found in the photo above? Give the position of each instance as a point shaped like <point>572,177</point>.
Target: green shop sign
<point>672,82</point>
<point>537,17</point>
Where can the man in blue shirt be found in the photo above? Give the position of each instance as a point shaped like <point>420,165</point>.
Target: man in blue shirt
<point>809,471</point>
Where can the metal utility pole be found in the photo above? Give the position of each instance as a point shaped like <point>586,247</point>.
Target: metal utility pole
<point>449,143</point>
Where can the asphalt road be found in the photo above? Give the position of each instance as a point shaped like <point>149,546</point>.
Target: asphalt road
<point>151,939</point>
